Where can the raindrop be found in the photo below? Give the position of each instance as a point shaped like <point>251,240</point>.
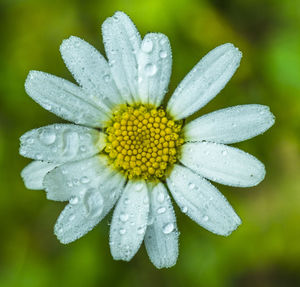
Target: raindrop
<point>224,152</point>
<point>30,140</point>
<point>84,179</point>
<point>160,197</point>
<point>184,209</point>
<point>106,78</point>
<point>82,148</point>
<point>126,201</point>
<point>161,210</point>
<point>47,137</point>
<point>141,230</point>
<point>168,228</point>
<point>191,185</point>
<point>72,217</point>
<point>38,156</point>
<point>150,69</point>
<point>147,46</point>
<point>163,54</point>
<point>74,200</point>
<point>124,217</point>
<point>205,218</point>
<point>93,202</point>
<point>122,231</point>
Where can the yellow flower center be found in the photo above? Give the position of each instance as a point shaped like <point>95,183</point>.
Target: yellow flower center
<point>143,142</point>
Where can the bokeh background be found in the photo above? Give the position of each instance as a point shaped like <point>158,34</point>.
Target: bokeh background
<point>265,250</point>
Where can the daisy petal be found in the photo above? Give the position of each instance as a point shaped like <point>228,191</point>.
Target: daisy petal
<point>154,67</point>
<point>64,99</point>
<point>33,174</point>
<point>129,221</point>
<point>72,178</point>
<point>90,70</point>
<point>93,201</point>
<point>223,164</point>
<point>122,43</point>
<point>204,81</point>
<point>61,143</point>
<point>161,238</point>
<point>231,125</point>
<point>202,202</point>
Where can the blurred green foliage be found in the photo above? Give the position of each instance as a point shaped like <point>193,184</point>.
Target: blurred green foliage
<point>265,250</point>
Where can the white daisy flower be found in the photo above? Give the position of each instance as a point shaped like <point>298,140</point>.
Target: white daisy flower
<point>126,148</point>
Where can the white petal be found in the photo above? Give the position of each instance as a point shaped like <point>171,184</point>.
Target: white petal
<point>73,178</point>
<point>61,143</point>
<point>154,68</point>
<point>33,174</point>
<point>90,70</point>
<point>129,221</point>
<point>204,81</point>
<point>161,238</point>
<point>122,43</point>
<point>230,125</point>
<point>223,164</point>
<point>87,210</point>
<point>202,202</point>
<point>64,99</point>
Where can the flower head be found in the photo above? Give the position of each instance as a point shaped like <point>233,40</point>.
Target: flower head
<point>126,148</point>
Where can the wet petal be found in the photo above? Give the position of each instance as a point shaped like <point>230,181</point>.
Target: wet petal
<point>122,43</point>
<point>154,68</point>
<point>161,238</point>
<point>33,174</point>
<point>61,143</point>
<point>129,221</point>
<point>230,125</point>
<point>90,70</point>
<point>202,202</point>
<point>204,81</point>
<point>223,164</point>
<point>64,99</point>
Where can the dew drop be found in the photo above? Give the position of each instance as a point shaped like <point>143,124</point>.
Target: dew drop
<point>163,54</point>
<point>147,46</point>
<point>47,137</point>
<point>224,152</point>
<point>141,230</point>
<point>168,228</point>
<point>184,209</point>
<point>191,185</point>
<point>74,200</point>
<point>124,217</point>
<point>160,197</point>
<point>82,148</point>
<point>150,69</point>
<point>93,202</point>
<point>84,179</point>
<point>122,231</point>
<point>205,218</point>
<point>161,210</point>
<point>72,217</point>
<point>106,78</point>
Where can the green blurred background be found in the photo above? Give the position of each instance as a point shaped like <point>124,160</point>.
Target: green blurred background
<point>265,250</point>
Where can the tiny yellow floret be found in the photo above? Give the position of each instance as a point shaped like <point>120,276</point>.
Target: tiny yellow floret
<point>143,142</point>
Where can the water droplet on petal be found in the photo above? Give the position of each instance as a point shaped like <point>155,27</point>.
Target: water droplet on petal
<point>47,137</point>
<point>161,210</point>
<point>147,46</point>
<point>184,209</point>
<point>141,230</point>
<point>124,217</point>
<point>168,228</point>
<point>205,218</point>
<point>150,69</point>
<point>191,185</point>
<point>122,231</point>
<point>160,197</point>
<point>106,78</point>
<point>224,152</point>
<point>72,217</point>
<point>74,200</point>
<point>163,54</point>
<point>93,202</point>
<point>84,179</point>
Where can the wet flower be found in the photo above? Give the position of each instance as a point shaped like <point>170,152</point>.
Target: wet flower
<point>127,148</point>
